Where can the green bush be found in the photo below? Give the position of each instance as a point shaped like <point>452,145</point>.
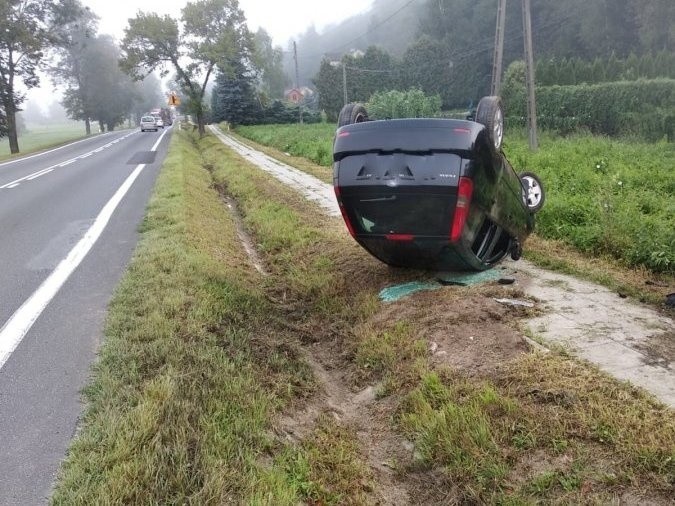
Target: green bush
<point>403,104</point>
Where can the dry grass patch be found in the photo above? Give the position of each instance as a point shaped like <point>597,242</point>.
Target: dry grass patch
<point>327,467</point>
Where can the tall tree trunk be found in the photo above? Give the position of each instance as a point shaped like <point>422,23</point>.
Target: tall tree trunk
<point>10,113</point>
<point>87,126</point>
<point>200,122</point>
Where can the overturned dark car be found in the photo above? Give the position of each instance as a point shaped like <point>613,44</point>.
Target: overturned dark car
<point>433,194</point>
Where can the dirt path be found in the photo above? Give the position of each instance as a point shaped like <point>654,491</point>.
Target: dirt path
<point>628,340</point>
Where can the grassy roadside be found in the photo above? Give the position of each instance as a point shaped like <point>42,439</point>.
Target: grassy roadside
<point>205,358</point>
<point>180,406</point>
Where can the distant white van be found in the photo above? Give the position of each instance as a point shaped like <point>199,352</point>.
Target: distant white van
<point>149,123</point>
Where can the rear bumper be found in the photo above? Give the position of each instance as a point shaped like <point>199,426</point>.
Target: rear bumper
<point>429,253</point>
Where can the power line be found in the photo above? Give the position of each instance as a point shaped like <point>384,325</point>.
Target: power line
<point>370,30</point>
<point>370,71</point>
<point>485,45</point>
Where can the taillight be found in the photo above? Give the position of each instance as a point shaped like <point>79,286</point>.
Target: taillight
<point>464,192</point>
<point>342,210</point>
<point>400,237</point>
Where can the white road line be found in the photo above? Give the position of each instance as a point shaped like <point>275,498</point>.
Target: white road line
<point>23,319</point>
<point>55,149</point>
<point>16,182</point>
<point>47,171</point>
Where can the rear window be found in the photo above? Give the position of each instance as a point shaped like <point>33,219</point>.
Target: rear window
<point>148,119</point>
<point>399,212</point>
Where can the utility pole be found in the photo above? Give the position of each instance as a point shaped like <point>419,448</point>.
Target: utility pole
<point>297,76</point>
<point>529,75</point>
<point>499,48</point>
<point>344,81</point>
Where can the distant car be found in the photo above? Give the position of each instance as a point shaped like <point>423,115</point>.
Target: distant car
<point>434,194</point>
<point>159,122</point>
<point>148,123</point>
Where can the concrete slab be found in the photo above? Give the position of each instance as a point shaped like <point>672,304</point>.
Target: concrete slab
<point>599,326</point>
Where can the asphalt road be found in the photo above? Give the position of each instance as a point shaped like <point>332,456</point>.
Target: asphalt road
<point>68,227</point>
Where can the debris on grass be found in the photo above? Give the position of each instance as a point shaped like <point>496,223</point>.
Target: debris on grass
<point>515,302</point>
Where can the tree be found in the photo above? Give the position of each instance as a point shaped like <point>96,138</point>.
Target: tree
<point>147,95</point>
<point>328,84</point>
<point>269,60</point>
<point>111,92</point>
<point>99,90</point>
<point>68,69</point>
<point>26,32</point>
<point>214,34</point>
<point>233,98</point>
<point>374,71</point>
<point>426,65</point>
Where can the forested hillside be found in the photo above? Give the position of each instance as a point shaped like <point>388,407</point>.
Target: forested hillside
<point>445,46</point>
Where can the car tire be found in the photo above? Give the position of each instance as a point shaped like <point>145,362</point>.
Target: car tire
<point>491,114</point>
<point>534,195</point>
<point>352,113</point>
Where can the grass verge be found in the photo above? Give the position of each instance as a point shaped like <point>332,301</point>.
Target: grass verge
<point>191,371</point>
<point>203,354</point>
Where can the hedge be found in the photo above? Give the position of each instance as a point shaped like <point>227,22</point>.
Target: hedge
<point>643,108</point>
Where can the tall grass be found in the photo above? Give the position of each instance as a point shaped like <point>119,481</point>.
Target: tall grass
<point>604,196</point>
<point>314,142</point>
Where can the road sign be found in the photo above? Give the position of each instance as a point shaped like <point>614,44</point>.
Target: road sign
<point>174,100</point>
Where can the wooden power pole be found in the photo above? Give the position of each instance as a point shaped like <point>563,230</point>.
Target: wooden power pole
<point>297,76</point>
<point>344,82</point>
<point>529,75</point>
<point>499,49</point>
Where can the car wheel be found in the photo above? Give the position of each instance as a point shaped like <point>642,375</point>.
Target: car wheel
<point>352,113</point>
<point>534,191</point>
<point>491,114</point>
